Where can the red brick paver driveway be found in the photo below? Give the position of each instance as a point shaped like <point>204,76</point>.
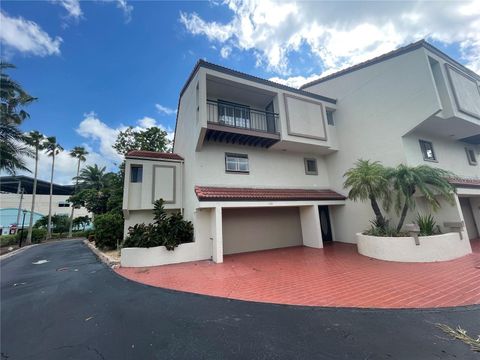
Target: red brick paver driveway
<point>335,276</point>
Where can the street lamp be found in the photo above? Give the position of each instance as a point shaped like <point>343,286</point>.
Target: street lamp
<point>23,228</point>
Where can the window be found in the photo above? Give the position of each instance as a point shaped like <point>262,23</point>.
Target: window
<point>330,117</point>
<point>472,158</point>
<point>63,204</point>
<point>236,163</point>
<point>136,174</point>
<point>233,114</point>
<point>311,167</point>
<point>427,150</point>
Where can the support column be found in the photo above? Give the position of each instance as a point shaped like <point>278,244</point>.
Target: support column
<point>217,234</point>
<point>311,231</point>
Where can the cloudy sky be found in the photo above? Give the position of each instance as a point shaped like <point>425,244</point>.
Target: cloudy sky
<point>100,66</point>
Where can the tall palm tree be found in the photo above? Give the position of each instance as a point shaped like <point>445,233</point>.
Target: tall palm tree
<point>12,98</point>
<point>368,181</point>
<point>92,177</point>
<point>430,182</point>
<point>53,148</point>
<point>35,140</point>
<point>79,153</point>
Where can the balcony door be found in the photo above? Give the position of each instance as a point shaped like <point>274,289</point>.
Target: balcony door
<point>270,116</point>
<point>232,114</point>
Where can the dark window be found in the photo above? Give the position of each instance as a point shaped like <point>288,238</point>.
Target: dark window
<point>236,163</point>
<point>64,204</point>
<point>427,150</point>
<point>136,174</point>
<point>330,118</point>
<point>311,167</point>
<point>472,158</point>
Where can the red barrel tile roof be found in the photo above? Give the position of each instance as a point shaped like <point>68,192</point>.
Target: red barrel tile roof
<point>153,155</point>
<point>464,182</point>
<point>209,193</point>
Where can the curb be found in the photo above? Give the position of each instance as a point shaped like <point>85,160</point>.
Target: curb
<point>17,251</point>
<point>109,261</point>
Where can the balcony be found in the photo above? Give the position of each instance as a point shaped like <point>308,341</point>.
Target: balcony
<point>239,124</point>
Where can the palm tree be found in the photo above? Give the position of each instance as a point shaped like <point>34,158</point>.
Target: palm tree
<point>431,182</point>
<point>369,181</point>
<point>79,153</point>
<point>35,140</point>
<point>92,177</point>
<point>12,96</point>
<point>53,149</point>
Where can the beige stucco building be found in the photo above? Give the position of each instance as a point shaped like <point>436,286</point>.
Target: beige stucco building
<point>258,165</point>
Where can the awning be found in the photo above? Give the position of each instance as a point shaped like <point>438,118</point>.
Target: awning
<point>209,193</point>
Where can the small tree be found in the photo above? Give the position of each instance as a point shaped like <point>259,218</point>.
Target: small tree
<point>430,182</point>
<point>151,139</point>
<point>53,148</point>
<point>79,153</point>
<point>369,181</point>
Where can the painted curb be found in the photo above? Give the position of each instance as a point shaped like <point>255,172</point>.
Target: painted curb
<point>111,262</point>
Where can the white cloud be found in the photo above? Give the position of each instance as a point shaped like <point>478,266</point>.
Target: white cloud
<point>72,6</point>
<point>126,8</point>
<point>336,35</point>
<point>225,52</point>
<point>165,110</point>
<point>27,37</point>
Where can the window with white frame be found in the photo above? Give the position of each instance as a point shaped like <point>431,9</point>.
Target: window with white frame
<point>136,173</point>
<point>311,166</point>
<point>427,150</point>
<point>471,156</point>
<point>330,120</point>
<point>236,163</point>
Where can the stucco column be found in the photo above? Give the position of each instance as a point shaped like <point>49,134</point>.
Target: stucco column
<point>217,234</point>
<point>310,221</point>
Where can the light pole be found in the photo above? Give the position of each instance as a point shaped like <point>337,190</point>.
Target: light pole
<point>23,228</point>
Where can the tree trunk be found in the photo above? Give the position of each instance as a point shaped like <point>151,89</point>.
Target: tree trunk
<point>34,192</point>
<point>73,207</point>
<point>378,213</point>
<point>402,216</point>
<point>49,225</point>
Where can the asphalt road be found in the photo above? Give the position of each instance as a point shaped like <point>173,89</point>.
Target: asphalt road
<point>74,307</point>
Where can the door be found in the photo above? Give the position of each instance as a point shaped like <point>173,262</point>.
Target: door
<point>325,224</point>
<point>469,218</point>
<point>270,116</point>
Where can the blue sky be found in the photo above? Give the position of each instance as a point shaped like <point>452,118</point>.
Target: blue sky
<point>98,66</point>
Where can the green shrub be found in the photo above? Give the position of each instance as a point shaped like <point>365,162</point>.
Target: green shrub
<point>427,224</point>
<point>386,230</point>
<point>37,235</point>
<point>108,230</point>
<point>169,231</point>
<point>8,240</point>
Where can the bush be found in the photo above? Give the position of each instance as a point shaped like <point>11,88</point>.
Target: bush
<point>108,230</point>
<point>386,230</point>
<point>8,240</point>
<point>427,224</point>
<point>169,231</point>
<point>37,235</point>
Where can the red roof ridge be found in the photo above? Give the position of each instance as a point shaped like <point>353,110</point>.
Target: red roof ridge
<point>212,193</point>
<point>154,155</point>
<point>464,181</point>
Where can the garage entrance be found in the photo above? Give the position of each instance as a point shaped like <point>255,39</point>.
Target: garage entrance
<point>256,228</point>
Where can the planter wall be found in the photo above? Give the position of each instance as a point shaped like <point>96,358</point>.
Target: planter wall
<point>432,248</point>
<point>159,255</point>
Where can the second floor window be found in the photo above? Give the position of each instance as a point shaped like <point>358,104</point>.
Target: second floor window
<point>330,120</point>
<point>233,114</point>
<point>136,174</point>
<point>236,163</point>
<point>427,150</point>
<point>472,158</point>
<point>311,167</point>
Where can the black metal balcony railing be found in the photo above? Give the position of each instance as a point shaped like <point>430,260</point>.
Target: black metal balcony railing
<point>241,117</point>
